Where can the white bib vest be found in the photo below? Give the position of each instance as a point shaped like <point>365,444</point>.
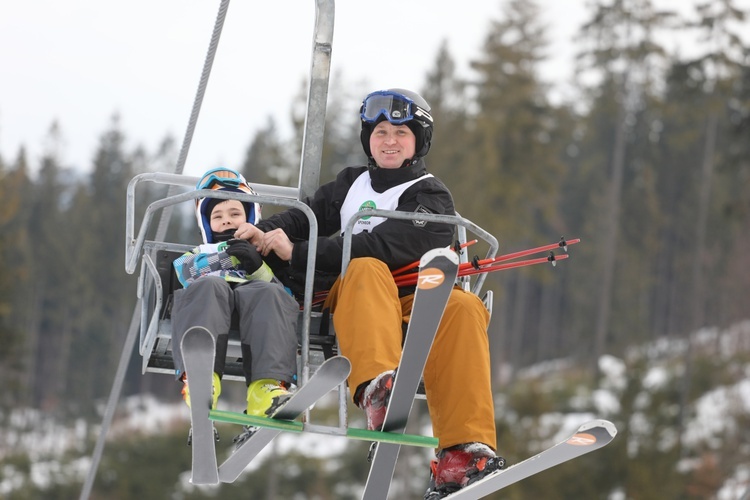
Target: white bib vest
<point>362,195</point>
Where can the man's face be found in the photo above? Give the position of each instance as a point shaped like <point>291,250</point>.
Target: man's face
<point>391,145</point>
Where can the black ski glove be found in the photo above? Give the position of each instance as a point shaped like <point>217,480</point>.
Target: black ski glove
<point>250,259</point>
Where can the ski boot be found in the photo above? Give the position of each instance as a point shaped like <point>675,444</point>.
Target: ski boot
<point>459,466</point>
<point>266,396</point>
<point>215,392</point>
<point>374,399</point>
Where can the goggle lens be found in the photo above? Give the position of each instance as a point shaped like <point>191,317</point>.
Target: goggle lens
<point>396,108</point>
<point>222,177</point>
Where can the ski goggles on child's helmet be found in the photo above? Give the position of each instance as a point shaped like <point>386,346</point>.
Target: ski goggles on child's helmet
<point>225,177</point>
<point>395,107</point>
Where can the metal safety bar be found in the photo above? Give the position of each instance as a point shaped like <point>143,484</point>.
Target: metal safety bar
<point>456,220</point>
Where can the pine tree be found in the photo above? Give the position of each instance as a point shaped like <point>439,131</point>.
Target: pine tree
<point>15,267</point>
<point>341,143</point>
<point>514,154</point>
<point>102,299</point>
<point>51,276</point>
<point>446,94</point>
<point>721,67</point>
<point>621,59</point>
<point>267,161</point>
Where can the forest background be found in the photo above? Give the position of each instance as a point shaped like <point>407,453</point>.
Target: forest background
<point>649,165</point>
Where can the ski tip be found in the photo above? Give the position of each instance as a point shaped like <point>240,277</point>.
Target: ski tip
<point>439,252</point>
<point>602,424</point>
<point>197,335</point>
<point>340,363</point>
<point>198,330</point>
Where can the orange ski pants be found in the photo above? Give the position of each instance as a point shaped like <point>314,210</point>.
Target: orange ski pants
<point>368,316</point>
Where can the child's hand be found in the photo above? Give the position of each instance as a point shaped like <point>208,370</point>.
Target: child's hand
<point>248,256</point>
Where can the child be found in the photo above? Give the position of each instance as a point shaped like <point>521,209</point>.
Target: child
<point>226,275</point>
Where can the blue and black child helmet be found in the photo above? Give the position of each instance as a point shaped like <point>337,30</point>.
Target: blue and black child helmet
<point>398,106</point>
<point>222,179</point>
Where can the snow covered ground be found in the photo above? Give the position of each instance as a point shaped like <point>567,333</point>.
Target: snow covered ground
<point>716,412</point>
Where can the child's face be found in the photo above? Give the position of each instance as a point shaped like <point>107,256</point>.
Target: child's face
<point>227,214</point>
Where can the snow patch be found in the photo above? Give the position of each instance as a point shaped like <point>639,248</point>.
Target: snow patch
<point>714,413</point>
<point>656,378</point>
<point>605,402</point>
<point>613,372</point>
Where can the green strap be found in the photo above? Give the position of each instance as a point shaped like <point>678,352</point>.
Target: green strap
<point>294,426</point>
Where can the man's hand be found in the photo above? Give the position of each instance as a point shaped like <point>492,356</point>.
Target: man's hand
<point>249,232</point>
<point>277,241</point>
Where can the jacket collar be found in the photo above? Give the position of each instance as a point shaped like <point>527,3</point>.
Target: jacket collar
<point>385,178</point>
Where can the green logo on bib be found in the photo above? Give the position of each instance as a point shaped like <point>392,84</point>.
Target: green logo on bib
<point>367,204</point>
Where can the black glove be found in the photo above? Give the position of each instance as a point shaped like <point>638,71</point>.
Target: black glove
<point>250,259</point>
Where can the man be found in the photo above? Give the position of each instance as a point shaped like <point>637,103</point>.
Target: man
<point>369,309</point>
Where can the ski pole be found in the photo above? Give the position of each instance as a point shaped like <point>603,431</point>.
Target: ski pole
<point>500,258</point>
<point>564,244</point>
<point>520,263</point>
<point>477,266</point>
<point>402,270</point>
<point>411,279</point>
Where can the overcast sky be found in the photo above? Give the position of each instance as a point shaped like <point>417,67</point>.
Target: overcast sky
<point>81,61</point>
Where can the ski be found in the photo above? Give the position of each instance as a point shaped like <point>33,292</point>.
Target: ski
<point>589,437</point>
<point>437,275</point>
<point>327,377</point>
<point>198,350</point>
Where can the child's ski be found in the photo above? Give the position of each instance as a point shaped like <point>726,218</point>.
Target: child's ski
<point>327,377</point>
<point>198,350</point>
<point>437,275</point>
<point>589,437</point>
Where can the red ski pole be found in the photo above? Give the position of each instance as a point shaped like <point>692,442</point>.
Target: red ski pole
<point>411,279</point>
<point>500,258</point>
<point>402,270</point>
<point>564,244</point>
<point>511,265</point>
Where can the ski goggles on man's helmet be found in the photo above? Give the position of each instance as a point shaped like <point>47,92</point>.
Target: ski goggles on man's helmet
<point>224,177</point>
<point>395,107</point>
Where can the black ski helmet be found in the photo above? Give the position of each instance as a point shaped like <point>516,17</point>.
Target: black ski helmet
<point>398,106</point>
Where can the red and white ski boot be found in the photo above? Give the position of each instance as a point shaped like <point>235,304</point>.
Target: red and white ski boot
<point>375,399</point>
<point>460,465</point>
